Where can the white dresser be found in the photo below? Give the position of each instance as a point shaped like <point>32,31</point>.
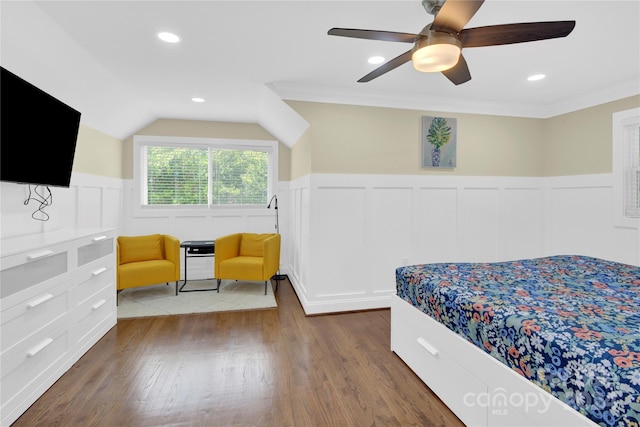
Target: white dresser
<point>57,299</point>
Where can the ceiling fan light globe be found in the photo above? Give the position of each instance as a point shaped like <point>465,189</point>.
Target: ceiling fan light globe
<point>436,52</point>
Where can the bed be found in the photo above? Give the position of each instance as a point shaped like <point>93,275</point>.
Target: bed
<point>545,341</point>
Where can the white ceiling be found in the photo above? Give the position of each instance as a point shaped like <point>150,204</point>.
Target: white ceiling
<point>243,57</point>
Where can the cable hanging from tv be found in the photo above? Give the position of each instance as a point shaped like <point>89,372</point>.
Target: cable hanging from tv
<point>42,195</point>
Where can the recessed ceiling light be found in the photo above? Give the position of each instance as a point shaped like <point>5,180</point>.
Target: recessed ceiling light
<point>197,99</point>
<point>536,77</point>
<point>168,37</point>
<point>376,60</point>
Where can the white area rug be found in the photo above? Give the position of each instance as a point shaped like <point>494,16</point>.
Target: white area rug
<point>161,300</point>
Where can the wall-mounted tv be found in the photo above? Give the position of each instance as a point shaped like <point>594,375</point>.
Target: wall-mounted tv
<point>38,134</point>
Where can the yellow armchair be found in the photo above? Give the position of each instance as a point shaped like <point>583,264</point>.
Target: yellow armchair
<point>147,260</point>
<point>247,256</point>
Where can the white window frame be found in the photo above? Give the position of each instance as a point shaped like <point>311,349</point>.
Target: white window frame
<point>620,123</point>
<point>139,141</point>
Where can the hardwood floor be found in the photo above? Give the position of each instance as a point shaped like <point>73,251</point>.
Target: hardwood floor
<point>254,368</point>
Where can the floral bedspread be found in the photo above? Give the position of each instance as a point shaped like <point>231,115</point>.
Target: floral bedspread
<point>570,324</point>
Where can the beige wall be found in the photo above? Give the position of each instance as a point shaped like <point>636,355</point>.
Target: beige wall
<point>97,153</point>
<point>301,155</point>
<point>374,140</point>
<point>580,142</point>
<point>207,129</point>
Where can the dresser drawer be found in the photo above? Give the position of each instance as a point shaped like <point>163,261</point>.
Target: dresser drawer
<point>100,246</point>
<point>57,298</point>
<point>93,280</point>
<point>33,314</point>
<point>37,267</point>
<point>26,366</point>
<point>92,312</point>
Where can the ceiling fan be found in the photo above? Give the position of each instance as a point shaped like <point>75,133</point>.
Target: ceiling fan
<point>437,48</point>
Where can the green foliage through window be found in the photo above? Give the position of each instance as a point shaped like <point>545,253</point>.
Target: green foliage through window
<point>205,176</point>
<point>177,176</point>
<point>239,177</point>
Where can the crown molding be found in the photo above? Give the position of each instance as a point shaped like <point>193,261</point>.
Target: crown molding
<point>299,92</point>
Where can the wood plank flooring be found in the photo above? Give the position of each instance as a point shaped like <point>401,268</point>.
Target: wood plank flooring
<point>273,367</point>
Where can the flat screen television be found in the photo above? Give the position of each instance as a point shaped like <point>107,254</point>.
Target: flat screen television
<point>38,134</point>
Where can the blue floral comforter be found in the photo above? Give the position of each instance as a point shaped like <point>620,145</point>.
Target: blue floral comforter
<point>570,324</point>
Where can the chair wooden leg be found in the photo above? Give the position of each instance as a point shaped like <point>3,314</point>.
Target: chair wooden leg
<point>277,282</point>
<point>265,287</point>
<point>118,295</point>
<point>176,287</point>
<point>219,280</point>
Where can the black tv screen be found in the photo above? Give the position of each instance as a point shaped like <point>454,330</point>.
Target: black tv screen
<point>38,134</point>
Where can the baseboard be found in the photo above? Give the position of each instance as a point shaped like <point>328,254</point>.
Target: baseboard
<point>337,306</point>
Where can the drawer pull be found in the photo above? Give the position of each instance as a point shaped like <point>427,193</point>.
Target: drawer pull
<point>99,271</point>
<point>40,254</point>
<point>431,349</point>
<point>36,302</point>
<point>98,238</point>
<point>98,304</point>
<point>37,349</point>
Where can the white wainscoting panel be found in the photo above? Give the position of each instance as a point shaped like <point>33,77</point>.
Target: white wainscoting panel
<point>363,226</point>
<point>112,206</point>
<point>89,206</point>
<point>579,217</point>
<point>338,232</point>
<point>298,229</point>
<point>91,201</point>
<point>435,226</point>
<point>478,237</point>
<point>520,215</point>
<point>389,245</point>
<point>194,227</point>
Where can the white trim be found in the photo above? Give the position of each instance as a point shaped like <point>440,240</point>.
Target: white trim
<point>620,120</point>
<point>408,101</point>
<point>270,146</point>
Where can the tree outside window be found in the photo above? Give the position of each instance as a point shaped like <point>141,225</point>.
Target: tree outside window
<point>211,174</point>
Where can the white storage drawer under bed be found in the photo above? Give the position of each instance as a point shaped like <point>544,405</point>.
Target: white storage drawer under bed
<point>479,389</point>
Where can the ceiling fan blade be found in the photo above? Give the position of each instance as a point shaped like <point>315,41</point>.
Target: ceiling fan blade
<point>459,73</point>
<point>495,35</point>
<point>455,14</point>
<point>385,68</point>
<point>388,36</point>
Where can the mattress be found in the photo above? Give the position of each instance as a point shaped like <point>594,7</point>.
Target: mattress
<point>570,324</point>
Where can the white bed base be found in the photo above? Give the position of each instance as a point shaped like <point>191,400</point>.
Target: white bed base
<point>479,389</point>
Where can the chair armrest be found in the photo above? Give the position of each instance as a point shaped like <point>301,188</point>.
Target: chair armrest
<point>271,255</point>
<point>226,247</point>
<point>172,252</point>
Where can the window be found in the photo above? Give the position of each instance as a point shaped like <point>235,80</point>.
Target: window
<point>626,166</point>
<point>631,170</point>
<point>198,172</point>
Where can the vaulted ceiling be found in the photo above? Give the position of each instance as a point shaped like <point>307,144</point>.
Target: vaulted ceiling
<point>245,57</point>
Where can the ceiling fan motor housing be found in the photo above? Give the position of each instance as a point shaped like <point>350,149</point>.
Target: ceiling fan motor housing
<point>435,51</point>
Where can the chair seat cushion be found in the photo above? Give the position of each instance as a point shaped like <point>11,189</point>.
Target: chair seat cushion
<point>143,273</point>
<point>140,248</point>
<point>247,267</point>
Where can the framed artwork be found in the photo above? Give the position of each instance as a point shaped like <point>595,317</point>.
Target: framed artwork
<point>439,142</point>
